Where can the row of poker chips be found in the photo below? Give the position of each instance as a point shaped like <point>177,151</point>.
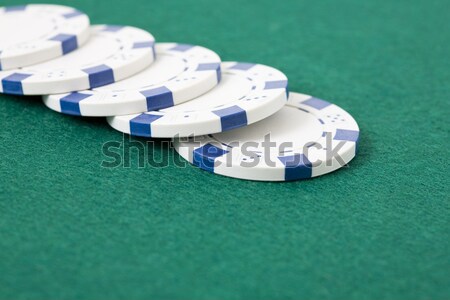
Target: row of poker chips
<point>219,114</point>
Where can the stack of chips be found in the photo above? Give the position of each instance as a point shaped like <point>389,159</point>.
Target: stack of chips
<point>231,118</point>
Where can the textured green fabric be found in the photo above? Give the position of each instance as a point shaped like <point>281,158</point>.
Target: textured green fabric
<point>378,229</point>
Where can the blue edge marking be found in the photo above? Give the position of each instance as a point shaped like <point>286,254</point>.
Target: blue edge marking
<point>141,125</point>
<point>100,75</point>
<point>12,84</point>
<point>146,44</point>
<point>204,156</point>
<point>70,104</point>
<point>73,14</point>
<point>211,67</point>
<point>8,9</point>
<point>158,98</point>
<point>231,117</point>
<point>69,42</point>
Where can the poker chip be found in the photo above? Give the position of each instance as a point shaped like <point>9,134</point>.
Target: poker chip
<point>308,137</point>
<point>112,53</point>
<point>180,73</point>
<point>30,34</point>
<point>246,94</point>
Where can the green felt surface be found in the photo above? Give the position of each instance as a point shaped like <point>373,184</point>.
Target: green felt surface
<point>377,229</point>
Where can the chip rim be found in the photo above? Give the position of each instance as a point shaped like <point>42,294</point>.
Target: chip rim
<point>164,124</point>
<point>290,173</point>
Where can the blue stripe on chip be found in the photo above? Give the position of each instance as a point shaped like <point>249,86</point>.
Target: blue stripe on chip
<point>297,166</point>
<point>70,104</point>
<point>181,47</point>
<point>113,28</point>
<point>99,75</point>
<point>141,125</point>
<point>279,84</point>
<point>346,135</point>
<point>73,14</point>
<point>147,44</point>
<point>316,103</point>
<point>68,42</point>
<point>15,8</point>
<point>204,156</point>
<point>12,84</point>
<point>242,66</point>
<point>158,98</point>
<point>211,66</point>
<point>231,117</point>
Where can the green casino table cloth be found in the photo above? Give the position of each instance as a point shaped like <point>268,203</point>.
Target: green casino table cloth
<point>378,228</point>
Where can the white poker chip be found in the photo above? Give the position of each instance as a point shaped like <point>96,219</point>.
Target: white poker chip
<point>30,34</point>
<point>112,53</point>
<point>246,94</point>
<point>180,73</point>
<point>308,137</point>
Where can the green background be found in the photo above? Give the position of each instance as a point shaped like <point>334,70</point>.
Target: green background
<point>377,229</point>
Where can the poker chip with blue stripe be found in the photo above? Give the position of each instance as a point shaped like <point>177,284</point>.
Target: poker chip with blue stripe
<point>34,33</point>
<point>112,53</point>
<point>180,73</point>
<point>308,137</point>
<point>246,94</point>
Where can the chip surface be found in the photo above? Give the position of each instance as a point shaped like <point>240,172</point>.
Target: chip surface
<point>34,33</point>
